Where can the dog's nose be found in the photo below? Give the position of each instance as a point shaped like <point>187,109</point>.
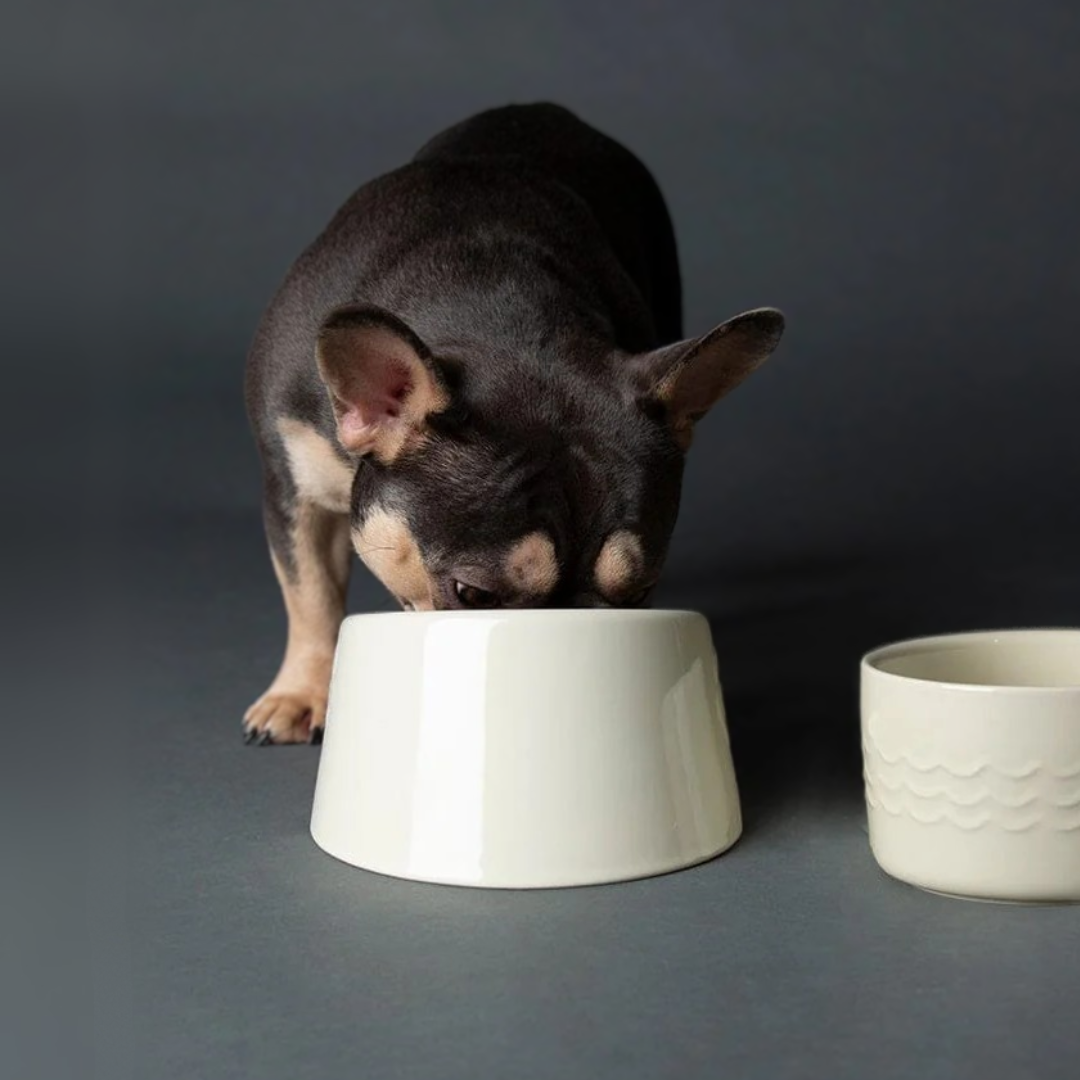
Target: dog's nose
<point>589,600</point>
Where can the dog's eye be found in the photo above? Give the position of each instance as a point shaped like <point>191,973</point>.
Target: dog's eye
<point>472,597</point>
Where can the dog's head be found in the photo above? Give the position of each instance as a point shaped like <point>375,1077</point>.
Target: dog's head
<point>501,484</point>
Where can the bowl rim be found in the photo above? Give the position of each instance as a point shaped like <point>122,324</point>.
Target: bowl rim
<point>527,615</point>
<point>871,660</point>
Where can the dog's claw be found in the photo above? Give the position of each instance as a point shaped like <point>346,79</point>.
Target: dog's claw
<point>250,735</point>
<point>286,717</point>
<point>316,736</point>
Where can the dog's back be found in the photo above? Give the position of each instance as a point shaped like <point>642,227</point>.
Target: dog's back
<point>619,190</point>
<point>502,228</point>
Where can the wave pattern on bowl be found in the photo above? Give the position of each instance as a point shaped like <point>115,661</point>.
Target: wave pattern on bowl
<point>967,772</point>
<point>973,795</point>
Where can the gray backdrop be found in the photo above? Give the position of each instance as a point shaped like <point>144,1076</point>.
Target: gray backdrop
<point>900,178</point>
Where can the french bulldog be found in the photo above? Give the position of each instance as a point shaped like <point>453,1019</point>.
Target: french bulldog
<point>476,378</point>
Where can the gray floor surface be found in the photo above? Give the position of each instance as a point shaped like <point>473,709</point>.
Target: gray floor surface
<point>252,954</point>
<point>217,941</point>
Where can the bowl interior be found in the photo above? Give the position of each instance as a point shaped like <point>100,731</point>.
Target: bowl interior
<point>1045,659</point>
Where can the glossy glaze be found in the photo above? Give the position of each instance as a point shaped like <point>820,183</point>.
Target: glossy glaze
<point>525,749</point>
<point>971,749</point>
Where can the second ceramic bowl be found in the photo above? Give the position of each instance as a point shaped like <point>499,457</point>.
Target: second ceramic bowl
<point>972,758</point>
<point>525,749</point>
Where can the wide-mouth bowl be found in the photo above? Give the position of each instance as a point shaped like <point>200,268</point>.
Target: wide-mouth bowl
<point>1000,661</point>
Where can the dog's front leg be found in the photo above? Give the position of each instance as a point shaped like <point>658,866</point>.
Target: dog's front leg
<point>311,553</point>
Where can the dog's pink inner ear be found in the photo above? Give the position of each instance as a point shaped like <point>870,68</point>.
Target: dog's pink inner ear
<point>370,397</point>
<point>381,381</point>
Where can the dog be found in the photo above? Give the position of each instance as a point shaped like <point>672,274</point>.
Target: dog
<point>476,377</point>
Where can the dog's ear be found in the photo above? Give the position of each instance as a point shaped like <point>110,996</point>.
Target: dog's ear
<point>382,380</point>
<point>689,377</point>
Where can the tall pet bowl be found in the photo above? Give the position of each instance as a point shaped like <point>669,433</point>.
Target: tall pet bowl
<point>525,749</point>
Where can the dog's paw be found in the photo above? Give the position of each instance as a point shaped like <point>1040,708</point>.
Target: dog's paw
<point>286,715</point>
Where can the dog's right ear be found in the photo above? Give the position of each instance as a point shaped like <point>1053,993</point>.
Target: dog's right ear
<point>382,380</point>
<point>689,377</point>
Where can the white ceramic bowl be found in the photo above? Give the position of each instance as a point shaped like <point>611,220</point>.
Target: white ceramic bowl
<point>525,749</point>
<point>971,748</point>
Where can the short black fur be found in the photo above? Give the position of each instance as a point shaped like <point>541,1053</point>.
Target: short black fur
<point>524,249</point>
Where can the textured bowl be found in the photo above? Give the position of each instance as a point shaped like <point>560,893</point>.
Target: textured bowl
<point>971,748</point>
<point>525,749</point>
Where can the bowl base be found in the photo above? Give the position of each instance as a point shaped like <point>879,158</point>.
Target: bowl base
<point>996,899</point>
<point>614,877</point>
<point>1003,900</point>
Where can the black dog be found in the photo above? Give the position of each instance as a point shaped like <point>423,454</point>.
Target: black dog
<point>474,377</point>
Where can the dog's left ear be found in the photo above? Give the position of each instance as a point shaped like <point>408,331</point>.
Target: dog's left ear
<point>689,377</point>
<point>382,380</point>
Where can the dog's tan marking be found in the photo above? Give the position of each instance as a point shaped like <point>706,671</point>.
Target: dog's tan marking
<point>389,550</point>
<point>295,704</point>
<point>531,566</point>
<point>620,563</point>
<point>320,475</point>
<point>399,440</point>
